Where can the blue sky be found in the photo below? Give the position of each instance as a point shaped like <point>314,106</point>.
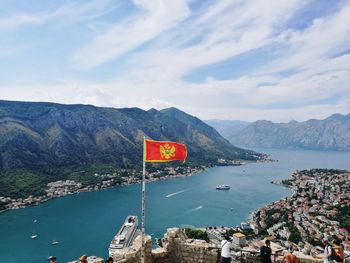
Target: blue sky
<point>245,60</point>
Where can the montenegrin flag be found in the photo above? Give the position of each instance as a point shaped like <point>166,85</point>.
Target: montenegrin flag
<point>164,151</point>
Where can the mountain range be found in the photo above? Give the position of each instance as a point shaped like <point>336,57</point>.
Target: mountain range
<point>332,133</point>
<point>44,142</point>
<point>34,135</point>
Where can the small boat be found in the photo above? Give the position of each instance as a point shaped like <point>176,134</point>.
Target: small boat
<point>34,235</point>
<point>223,187</point>
<point>55,242</point>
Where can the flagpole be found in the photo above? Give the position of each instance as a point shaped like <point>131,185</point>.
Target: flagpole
<point>143,203</point>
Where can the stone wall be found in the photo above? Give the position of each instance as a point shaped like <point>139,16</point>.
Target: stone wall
<point>160,255</point>
<point>176,249</point>
<point>182,250</point>
<point>133,254</point>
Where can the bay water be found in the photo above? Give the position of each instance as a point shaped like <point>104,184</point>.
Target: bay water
<point>86,223</point>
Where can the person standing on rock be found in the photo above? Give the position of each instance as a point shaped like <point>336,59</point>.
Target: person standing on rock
<point>226,250</point>
<point>265,252</point>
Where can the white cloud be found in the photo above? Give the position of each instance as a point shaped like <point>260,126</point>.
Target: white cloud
<point>326,37</point>
<point>179,41</point>
<point>157,17</point>
<point>68,12</point>
<point>230,29</point>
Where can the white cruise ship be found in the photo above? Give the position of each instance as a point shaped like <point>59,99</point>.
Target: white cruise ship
<point>125,236</point>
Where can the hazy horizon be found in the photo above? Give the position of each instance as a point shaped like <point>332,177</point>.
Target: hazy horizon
<point>205,120</point>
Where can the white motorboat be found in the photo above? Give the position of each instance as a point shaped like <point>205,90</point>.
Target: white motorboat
<point>34,234</point>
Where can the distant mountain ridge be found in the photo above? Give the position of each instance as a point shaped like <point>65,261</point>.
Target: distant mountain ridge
<point>227,127</point>
<point>332,133</point>
<point>34,135</point>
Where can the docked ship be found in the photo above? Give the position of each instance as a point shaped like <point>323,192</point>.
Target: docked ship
<point>125,236</point>
<point>223,187</point>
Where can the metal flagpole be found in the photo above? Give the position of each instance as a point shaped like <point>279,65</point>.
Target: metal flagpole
<point>143,204</point>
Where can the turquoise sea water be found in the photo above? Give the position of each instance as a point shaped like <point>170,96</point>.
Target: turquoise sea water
<point>85,223</point>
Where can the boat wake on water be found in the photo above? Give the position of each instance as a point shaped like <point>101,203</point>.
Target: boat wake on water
<point>196,208</point>
<point>176,193</point>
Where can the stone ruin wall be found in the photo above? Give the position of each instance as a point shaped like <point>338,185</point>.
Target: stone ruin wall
<point>133,254</point>
<point>176,249</point>
<point>183,250</point>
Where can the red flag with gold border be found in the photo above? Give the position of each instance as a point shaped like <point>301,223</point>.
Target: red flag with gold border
<point>164,151</point>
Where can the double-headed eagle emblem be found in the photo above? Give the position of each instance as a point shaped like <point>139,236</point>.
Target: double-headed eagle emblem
<point>167,151</point>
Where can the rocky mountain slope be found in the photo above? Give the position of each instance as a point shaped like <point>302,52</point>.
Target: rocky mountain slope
<point>34,135</point>
<point>332,133</point>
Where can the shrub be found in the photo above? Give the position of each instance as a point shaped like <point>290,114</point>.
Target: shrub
<point>196,234</point>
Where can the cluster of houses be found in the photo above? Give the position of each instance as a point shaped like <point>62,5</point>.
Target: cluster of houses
<point>318,195</point>
<point>15,203</point>
<point>169,172</point>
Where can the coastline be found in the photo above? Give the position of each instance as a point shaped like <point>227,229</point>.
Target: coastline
<point>69,187</point>
<point>31,201</point>
<point>252,214</point>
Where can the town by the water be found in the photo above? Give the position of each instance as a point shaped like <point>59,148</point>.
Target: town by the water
<point>67,187</point>
<point>120,177</point>
<point>318,210</point>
